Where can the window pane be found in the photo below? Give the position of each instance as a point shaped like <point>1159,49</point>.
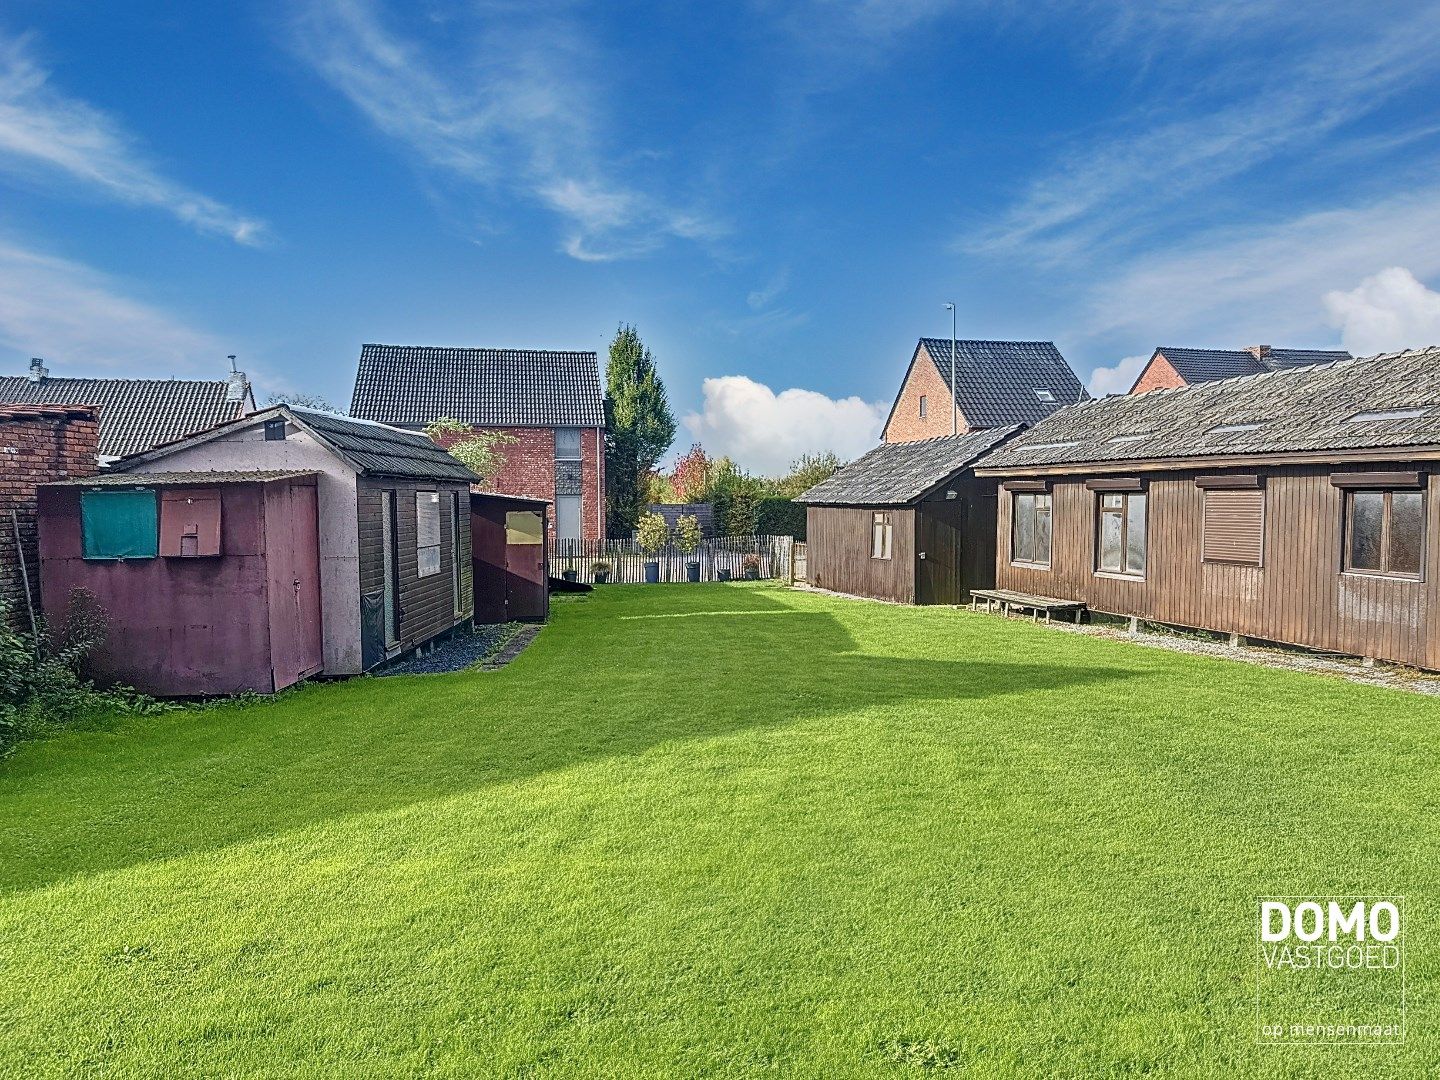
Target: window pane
<point>888,534</point>
<point>1407,531</point>
<point>1042,531</point>
<point>567,517</point>
<point>567,444</point>
<point>1367,511</point>
<point>1112,502</point>
<point>1025,528</point>
<point>1111,556</point>
<point>1135,534</point>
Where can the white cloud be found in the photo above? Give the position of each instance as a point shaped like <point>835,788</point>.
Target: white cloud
<point>76,318</point>
<point>765,431</point>
<point>1117,379</point>
<point>514,111</point>
<point>1387,311</point>
<point>44,131</point>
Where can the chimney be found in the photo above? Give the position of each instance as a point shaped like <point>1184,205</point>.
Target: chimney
<point>38,371</point>
<point>1260,352</point>
<point>237,385</point>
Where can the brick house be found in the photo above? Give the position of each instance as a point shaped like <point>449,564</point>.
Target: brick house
<point>997,383</point>
<point>136,414</point>
<point>38,444</point>
<point>549,402</point>
<point>1169,368</point>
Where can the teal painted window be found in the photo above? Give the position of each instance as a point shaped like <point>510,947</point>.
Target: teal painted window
<point>119,524</point>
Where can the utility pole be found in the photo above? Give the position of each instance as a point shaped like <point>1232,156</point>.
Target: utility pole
<point>954,406</point>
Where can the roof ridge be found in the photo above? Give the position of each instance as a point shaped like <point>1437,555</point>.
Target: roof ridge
<point>482,348</point>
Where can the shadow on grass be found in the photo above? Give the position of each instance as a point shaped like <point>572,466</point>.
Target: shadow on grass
<point>615,675</point>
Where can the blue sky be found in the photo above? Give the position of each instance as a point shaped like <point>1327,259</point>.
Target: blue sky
<point>781,196</point>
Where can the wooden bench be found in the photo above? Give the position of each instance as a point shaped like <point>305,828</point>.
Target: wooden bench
<point>1006,600</point>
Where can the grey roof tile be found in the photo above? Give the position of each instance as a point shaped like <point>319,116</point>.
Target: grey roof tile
<point>135,414</point>
<point>996,381</point>
<point>1291,410</point>
<point>1207,365</point>
<point>181,479</point>
<point>894,474</point>
<point>415,384</point>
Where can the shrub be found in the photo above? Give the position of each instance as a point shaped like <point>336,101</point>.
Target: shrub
<point>780,517</point>
<point>651,532</point>
<point>41,681</point>
<point>687,533</point>
<point>599,567</point>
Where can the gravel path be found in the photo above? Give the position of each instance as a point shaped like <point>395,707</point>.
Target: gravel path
<point>464,650</point>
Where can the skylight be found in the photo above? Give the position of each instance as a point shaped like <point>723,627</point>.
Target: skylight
<point>1044,394</point>
<point>1129,438</point>
<point>1052,445</point>
<point>1225,429</point>
<point>1388,414</point>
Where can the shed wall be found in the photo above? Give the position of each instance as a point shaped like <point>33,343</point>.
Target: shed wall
<point>837,553</point>
<point>1299,595</point>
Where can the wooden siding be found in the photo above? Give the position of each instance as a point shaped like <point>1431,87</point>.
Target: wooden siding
<point>1298,596</point>
<point>426,606</point>
<point>839,553</point>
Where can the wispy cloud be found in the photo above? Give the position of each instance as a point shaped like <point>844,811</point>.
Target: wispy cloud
<point>46,132</point>
<point>1105,190</point>
<point>79,319</point>
<point>763,297</point>
<point>509,107</point>
<point>1266,284</point>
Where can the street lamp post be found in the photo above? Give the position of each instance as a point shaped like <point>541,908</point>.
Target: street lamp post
<point>954,405</point>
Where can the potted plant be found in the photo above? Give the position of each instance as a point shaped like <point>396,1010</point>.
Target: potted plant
<point>601,572</point>
<point>723,575</point>
<point>651,532</point>
<point>570,575</point>
<point>751,565</point>
<point>687,539</point>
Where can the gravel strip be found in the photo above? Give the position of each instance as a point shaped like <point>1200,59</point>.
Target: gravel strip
<point>458,652</point>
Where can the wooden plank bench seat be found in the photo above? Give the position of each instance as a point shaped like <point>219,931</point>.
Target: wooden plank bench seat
<point>1006,600</point>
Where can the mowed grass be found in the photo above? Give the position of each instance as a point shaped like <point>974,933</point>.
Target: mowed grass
<point>714,831</point>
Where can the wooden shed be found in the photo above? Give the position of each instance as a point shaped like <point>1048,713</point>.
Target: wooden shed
<point>1294,506</point>
<point>509,541</point>
<point>395,569</point>
<point>908,522</point>
<point>210,582</point>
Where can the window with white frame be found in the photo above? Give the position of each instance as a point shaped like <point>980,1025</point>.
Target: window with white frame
<point>881,535</point>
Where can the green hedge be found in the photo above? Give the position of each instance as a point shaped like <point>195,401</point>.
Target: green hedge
<point>780,517</point>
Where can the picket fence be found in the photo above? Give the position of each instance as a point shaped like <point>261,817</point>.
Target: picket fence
<point>719,553</point>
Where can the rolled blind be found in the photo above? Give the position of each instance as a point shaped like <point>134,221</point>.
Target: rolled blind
<point>1234,526</point>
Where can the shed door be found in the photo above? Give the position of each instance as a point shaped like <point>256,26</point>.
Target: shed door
<point>525,581</point>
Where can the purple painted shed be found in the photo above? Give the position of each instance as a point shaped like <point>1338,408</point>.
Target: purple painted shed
<point>508,548</point>
<point>210,580</point>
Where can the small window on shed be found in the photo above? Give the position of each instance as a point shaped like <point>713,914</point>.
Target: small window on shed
<point>118,524</point>
<point>427,533</point>
<point>190,523</point>
<point>881,536</point>
<point>525,527</point>
<point>1234,526</point>
<point>1385,533</point>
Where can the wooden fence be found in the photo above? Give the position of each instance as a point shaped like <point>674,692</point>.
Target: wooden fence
<point>721,553</point>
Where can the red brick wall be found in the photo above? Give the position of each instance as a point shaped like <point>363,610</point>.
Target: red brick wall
<point>1158,375</point>
<point>530,470</point>
<point>905,424</point>
<point>32,452</point>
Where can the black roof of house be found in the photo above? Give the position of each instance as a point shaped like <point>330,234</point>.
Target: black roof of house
<point>1295,410</point>
<point>996,382</point>
<point>135,414</point>
<point>896,474</point>
<point>368,447</point>
<point>1207,365</point>
<point>413,385</point>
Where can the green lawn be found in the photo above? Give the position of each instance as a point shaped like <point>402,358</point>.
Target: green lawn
<point>714,830</point>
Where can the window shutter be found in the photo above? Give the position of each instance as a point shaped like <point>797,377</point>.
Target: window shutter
<point>1234,526</point>
<point>118,524</point>
<point>190,522</point>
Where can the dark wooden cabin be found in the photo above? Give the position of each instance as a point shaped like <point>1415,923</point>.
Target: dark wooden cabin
<point>509,541</point>
<point>209,582</point>
<point>1294,506</point>
<point>908,522</point>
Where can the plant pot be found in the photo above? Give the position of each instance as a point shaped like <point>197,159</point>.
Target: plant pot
<point>652,573</point>
<point>570,575</point>
<point>722,575</point>
<point>692,571</point>
<point>602,576</point>
<point>752,573</point>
